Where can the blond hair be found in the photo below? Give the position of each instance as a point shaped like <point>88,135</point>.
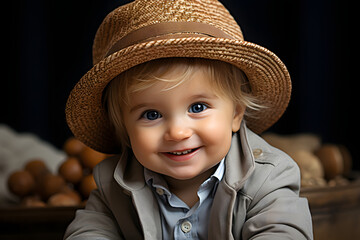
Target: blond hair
<point>226,79</point>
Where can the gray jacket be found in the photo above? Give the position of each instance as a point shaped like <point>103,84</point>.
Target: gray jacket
<point>258,198</point>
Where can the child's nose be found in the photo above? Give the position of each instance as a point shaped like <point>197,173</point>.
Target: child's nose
<point>178,131</point>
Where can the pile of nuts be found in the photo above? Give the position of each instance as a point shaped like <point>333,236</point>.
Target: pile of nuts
<point>37,186</point>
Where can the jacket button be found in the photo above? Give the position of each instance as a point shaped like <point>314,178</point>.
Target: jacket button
<point>160,191</point>
<point>186,226</point>
<point>257,153</point>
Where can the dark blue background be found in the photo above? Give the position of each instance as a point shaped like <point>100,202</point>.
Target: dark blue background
<point>47,48</point>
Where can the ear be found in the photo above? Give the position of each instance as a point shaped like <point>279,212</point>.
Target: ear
<point>238,117</point>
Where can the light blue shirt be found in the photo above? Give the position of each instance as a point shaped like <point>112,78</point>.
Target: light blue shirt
<point>177,219</point>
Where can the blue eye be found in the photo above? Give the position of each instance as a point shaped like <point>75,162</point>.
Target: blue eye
<point>151,115</point>
<point>197,108</point>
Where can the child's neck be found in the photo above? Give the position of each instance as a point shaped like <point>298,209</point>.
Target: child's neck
<point>186,190</point>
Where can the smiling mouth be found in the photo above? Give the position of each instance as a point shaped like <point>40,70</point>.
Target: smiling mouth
<point>183,152</point>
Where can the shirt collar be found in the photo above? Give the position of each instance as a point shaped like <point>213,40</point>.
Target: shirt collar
<point>220,170</point>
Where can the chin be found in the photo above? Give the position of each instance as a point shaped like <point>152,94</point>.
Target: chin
<point>187,175</point>
<point>181,177</point>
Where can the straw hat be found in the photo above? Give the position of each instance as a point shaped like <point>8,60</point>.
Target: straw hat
<point>145,30</point>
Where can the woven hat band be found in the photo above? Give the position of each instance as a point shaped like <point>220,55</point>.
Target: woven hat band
<point>167,30</point>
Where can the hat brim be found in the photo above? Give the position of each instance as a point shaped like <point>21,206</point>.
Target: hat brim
<point>268,77</point>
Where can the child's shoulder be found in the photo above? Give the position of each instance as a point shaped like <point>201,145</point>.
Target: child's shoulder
<point>108,163</point>
<point>273,170</point>
<point>264,153</point>
<point>105,169</point>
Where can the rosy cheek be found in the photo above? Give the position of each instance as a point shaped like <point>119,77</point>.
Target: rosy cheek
<point>137,140</point>
<point>217,129</point>
<point>143,141</point>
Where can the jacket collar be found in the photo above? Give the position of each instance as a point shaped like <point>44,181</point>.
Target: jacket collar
<point>129,173</point>
<point>240,158</point>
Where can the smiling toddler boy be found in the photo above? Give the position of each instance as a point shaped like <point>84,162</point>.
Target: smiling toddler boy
<point>179,96</point>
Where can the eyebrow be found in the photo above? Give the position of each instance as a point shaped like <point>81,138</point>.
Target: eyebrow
<point>193,98</point>
<point>138,106</point>
<point>205,96</point>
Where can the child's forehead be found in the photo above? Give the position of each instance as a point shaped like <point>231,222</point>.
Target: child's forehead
<point>173,73</point>
<point>192,86</point>
<point>170,76</point>
<point>183,73</point>
<point>178,76</point>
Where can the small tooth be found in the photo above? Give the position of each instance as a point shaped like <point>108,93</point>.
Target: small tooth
<point>181,153</point>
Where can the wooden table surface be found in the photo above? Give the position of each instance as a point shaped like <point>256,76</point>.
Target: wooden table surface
<point>335,211</point>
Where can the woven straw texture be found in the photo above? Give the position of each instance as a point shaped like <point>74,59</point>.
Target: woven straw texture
<point>268,76</point>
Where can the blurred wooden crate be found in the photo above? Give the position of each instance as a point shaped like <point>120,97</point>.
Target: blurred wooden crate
<point>335,211</point>
<point>34,223</point>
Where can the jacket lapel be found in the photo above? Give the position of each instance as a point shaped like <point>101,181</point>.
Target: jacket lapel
<point>148,213</point>
<point>129,174</point>
<point>239,165</point>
